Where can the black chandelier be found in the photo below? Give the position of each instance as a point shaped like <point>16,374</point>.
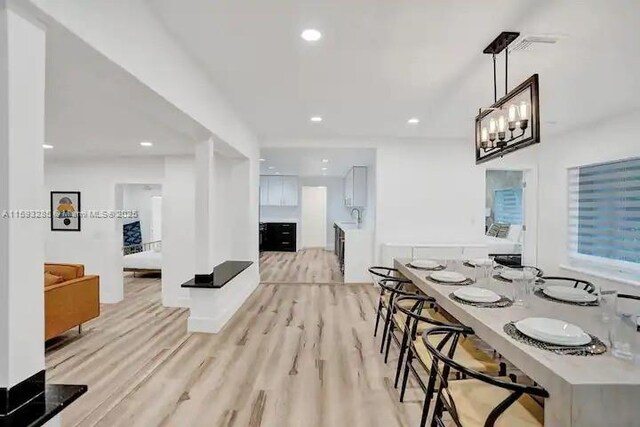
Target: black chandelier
<point>513,121</point>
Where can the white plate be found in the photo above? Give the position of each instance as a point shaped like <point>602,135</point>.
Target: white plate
<point>448,276</point>
<point>553,331</point>
<point>475,294</point>
<point>566,293</point>
<point>481,262</point>
<point>424,263</point>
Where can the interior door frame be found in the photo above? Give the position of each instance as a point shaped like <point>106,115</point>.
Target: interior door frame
<point>530,212</point>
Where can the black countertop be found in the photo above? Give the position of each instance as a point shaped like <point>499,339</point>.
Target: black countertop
<point>222,274</point>
<point>44,407</point>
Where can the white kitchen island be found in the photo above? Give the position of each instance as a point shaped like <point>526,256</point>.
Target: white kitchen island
<point>355,250</point>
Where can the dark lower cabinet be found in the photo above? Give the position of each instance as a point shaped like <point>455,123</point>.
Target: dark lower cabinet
<point>279,237</point>
<point>339,245</point>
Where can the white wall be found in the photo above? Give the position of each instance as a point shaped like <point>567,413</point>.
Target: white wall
<point>99,245</point>
<point>138,197</point>
<point>336,210</point>
<point>428,192</point>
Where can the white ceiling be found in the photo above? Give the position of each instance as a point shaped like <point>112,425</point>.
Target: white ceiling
<point>96,109</point>
<point>381,62</point>
<point>308,161</point>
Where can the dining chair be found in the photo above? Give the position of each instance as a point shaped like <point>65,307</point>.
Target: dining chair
<point>377,274</point>
<point>569,281</point>
<point>417,321</point>
<point>394,288</point>
<point>408,309</point>
<point>478,400</point>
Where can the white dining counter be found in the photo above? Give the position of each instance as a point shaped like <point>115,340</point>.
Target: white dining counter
<point>585,391</point>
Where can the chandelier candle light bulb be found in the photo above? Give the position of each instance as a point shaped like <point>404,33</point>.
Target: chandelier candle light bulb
<point>524,118</point>
<point>501,128</point>
<point>512,118</point>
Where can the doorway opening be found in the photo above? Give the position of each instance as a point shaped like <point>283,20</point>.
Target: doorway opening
<point>317,215</point>
<point>314,217</point>
<point>141,205</point>
<point>504,215</point>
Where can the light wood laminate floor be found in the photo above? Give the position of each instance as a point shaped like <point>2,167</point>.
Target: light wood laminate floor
<point>294,355</point>
<point>304,266</point>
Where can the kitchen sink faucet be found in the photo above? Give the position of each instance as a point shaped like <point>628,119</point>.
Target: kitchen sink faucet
<point>358,215</point>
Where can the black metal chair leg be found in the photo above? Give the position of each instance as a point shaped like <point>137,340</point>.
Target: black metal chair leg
<point>405,376</point>
<point>425,412</point>
<point>389,336</point>
<point>385,331</point>
<point>403,350</point>
<point>375,331</point>
<point>437,413</point>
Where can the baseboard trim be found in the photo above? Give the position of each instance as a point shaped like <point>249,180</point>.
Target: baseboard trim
<point>180,302</point>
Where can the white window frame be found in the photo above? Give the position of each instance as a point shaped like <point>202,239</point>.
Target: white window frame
<point>626,271</point>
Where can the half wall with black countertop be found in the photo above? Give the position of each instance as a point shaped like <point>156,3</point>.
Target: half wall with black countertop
<point>221,275</point>
<point>214,298</point>
<point>33,403</point>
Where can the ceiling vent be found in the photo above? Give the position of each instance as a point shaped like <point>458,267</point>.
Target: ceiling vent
<point>529,42</point>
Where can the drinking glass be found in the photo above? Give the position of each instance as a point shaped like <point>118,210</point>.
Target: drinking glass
<point>608,301</point>
<point>523,281</point>
<point>454,264</point>
<point>482,273</point>
<point>624,336</point>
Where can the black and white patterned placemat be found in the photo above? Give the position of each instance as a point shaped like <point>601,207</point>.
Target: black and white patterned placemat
<point>501,303</point>
<point>593,348</point>
<point>438,268</point>
<point>466,282</point>
<point>540,293</point>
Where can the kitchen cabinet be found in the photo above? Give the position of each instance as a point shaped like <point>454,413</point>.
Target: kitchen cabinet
<point>264,190</point>
<point>278,236</point>
<point>276,190</point>
<point>355,187</point>
<point>354,249</point>
<point>289,191</point>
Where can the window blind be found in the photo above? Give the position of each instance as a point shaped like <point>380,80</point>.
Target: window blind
<point>507,206</point>
<point>604,210</point>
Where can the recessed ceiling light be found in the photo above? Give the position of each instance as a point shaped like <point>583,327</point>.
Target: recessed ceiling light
<point>277,173</point>
<point>263,160</point>
<point>316,119</point>
<point>146,144</point>
<point>325,160</point>
<point>272,167</point>
<point>311,35</point>
<point>324,169</point>
<point>413,121</point>
<point>47,146</point>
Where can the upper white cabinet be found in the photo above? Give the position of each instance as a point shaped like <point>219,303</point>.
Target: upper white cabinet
<point>278,190</point>
<point>355,187</point>
<point>289,191</point>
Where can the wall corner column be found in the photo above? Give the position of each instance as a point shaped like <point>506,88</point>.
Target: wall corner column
<point>22,104</point>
